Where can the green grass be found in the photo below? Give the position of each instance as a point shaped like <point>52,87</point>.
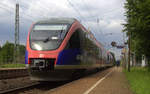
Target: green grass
<point>139,80</point>
<point>12,65</point>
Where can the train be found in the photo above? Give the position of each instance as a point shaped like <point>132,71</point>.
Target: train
<point>58,48</point>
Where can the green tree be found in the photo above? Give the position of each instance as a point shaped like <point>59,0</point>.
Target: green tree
<point>7,53</point>
<point>0,48</point>
<point>138,25</point>
<point>22,53</point>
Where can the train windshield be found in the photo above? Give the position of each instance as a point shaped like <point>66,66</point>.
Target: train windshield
<point>47,37</point>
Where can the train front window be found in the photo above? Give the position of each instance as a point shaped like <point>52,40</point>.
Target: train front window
<point>47,37</point>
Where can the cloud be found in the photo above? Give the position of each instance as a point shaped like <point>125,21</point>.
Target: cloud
<point>110,14</point>
<point>46,9</point>
<point>115,26</point>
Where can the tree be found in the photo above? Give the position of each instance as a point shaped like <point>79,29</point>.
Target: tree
<point>138,25</point>
<point>0,48</point>
<point>7,53</point>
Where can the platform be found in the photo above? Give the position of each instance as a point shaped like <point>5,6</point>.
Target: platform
<point>110,81</point>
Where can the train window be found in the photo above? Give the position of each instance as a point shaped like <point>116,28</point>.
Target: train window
<point>108,57</point>
<point>47,37</point>
<point>82,38</point>
<point>74,41</point>
<point>100,53</point>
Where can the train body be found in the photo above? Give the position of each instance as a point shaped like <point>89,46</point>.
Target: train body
<point>58,47</point>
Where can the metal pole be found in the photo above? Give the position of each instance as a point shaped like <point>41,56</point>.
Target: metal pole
<point>16,45</point>
<point>129,46</point>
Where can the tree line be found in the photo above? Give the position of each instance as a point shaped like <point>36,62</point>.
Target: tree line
<point>138,26</point>
<point>7,53</point>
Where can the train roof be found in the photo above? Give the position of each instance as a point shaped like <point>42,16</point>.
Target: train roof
<point>57,21</point>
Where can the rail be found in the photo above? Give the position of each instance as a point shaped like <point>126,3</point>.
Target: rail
<point>19,88</point>
<point>7,73</point>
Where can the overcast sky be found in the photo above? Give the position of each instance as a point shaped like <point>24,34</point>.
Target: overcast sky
<point>110,14</point>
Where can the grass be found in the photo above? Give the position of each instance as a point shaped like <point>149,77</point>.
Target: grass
<point>139,80</point>
<point>12,65</point>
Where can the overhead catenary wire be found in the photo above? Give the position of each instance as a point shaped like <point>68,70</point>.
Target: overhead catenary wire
<point>72,5</point>
<point>103,14</point>
<point>9,10</point>
<point>77,11</point>
<point>30,17</point>
<point>1,7</point>
<point>91,15</point>
<point>22,7</point>
<point>25,16</point>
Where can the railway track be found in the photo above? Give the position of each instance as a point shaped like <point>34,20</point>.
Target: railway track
<point>8,73</point>
<point>40,87</point>
<point>19,88</point>
<point>34,87</point>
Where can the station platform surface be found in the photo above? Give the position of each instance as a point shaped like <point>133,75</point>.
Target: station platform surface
<point>110,81</point>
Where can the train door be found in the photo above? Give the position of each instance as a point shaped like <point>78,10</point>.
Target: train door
<point>100,57</point>
<point>74,45</point>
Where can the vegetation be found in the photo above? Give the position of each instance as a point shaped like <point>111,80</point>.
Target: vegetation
<point>7,55</point>
<point>12,66</point>
<point>138,26</point>
<point>139,80</point>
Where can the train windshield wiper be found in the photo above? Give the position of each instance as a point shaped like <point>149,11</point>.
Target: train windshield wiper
<point>50,39</point>
<point>55,37</point>
<point>46,40</point>
<point>62,30</point>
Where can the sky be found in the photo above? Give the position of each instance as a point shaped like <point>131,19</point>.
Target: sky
<point>103,17</point>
